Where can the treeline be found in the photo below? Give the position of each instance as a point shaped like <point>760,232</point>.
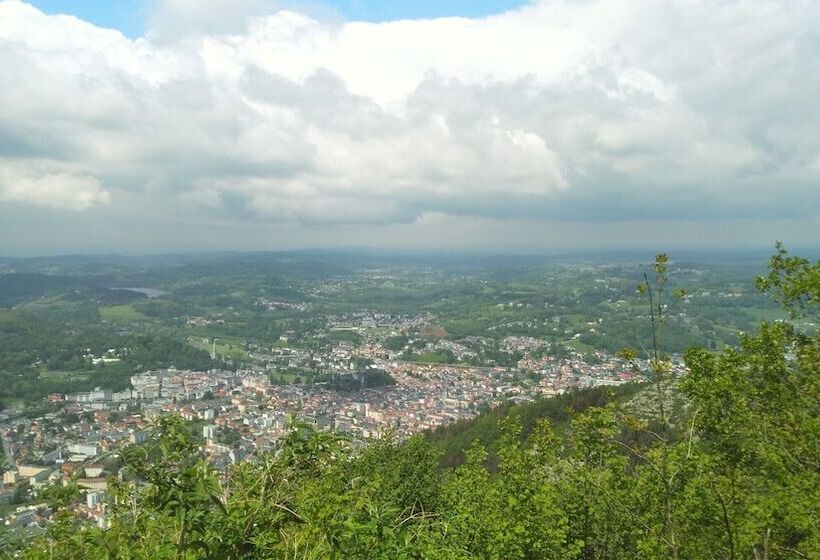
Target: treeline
<point>454,439</point>
<point>738,478</point>
<point>16,287</point>
<point>25,286</point>
<point>38,357</point>
<point>363,379</point>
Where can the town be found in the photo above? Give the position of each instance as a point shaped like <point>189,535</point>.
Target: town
<point>365,391</point>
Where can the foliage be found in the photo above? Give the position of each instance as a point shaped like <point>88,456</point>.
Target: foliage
<point>455,438</point>
<point>363,379</point>
<point>37,357</point>
<point>793,281</point>
<point>59,495</point>
<point>396,342</point>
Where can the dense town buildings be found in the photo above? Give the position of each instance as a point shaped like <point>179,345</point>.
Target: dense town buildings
<point>246,411</point>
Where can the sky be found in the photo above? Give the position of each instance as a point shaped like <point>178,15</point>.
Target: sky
<point>551,125</point>
<point>130,16</point>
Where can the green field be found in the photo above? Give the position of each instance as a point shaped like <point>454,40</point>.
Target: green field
<point>229,348</point>
<point>580,346</point>
<point>766,314</point>
<point>120,313</point>
<point>65,375</point>
<point>7,316</point>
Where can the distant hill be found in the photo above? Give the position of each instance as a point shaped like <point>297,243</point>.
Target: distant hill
<point>16,287</point>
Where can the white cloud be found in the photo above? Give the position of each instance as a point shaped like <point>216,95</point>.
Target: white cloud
<point>51,188</point>
<point>560,109</point>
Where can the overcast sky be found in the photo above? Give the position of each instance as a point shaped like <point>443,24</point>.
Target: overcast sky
<point>555,125</point>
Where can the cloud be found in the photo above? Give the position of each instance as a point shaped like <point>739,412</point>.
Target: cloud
<point>170,20</point>
<point>559,110</point>
<point>34,184</point>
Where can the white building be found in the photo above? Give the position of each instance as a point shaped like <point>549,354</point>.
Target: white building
<point>88,449</point>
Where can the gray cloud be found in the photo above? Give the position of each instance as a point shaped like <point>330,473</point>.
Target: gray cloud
<point>559,111</point>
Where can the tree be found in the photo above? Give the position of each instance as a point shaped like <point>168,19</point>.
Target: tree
<point>21,492</point>
<point>758,420</point>
<point>60,495</point>
<point>793,281</point>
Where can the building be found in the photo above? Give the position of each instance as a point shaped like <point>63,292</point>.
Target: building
<point>88,449</point>
<point>209,432</point>
<point>139,437</point>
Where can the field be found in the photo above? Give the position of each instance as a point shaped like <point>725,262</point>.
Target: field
<point>230,348</point>
<point>120,313</point>
<point>7,316</point>
<point>64,375</point>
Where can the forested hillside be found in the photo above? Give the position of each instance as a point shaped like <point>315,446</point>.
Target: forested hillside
<point>41,356</point>
<point>581,477</point>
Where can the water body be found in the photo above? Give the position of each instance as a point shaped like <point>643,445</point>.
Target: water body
<point>150,292</point>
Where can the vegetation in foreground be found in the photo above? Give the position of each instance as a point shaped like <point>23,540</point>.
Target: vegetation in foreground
<point>737,479</point>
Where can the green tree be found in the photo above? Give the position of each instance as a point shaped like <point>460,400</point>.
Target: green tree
<point>60,495</point>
